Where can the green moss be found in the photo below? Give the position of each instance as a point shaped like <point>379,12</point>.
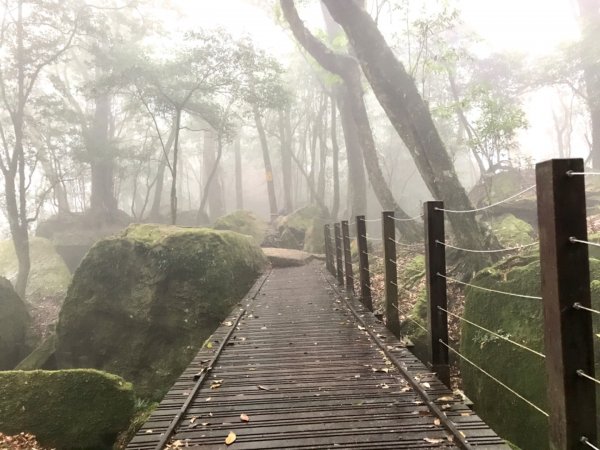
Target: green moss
<point>143,409</point>
<point>522,321</point>
<point>141,303</point>
<point>511,231</point>
<point>66,409</point>
<point>243,222</point>
<point>301,219</point>
<point>14,322</point>
<point>49,276</point>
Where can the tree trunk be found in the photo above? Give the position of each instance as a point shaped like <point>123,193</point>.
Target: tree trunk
<point>590,56</point>
<point>239,189</point>
<point>267,161</point>
<point>174,168</point>
<point>323,150</point>
<point>102,200</point>
<point>408,113</point>
<point>160,176</point>
<point>212,187</point>
<point>347,68</point>
<point>335,153</point>
<point>285,133</point>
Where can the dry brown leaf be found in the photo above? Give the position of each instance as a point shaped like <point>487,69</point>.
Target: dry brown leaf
<point>361,328</point>
<point>446,398</point>
<point>426,385</point>
<point>433,440</point>
<point>263,388</point>
<point>231,437</point>
<point>465,414</point>
<point>436,422</point>
<point>244,418</point>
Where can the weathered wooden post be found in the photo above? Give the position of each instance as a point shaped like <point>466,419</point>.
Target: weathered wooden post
<point>337,231</point>
<point>347,256</point>
<point>435,263</point>
<point>328,250</point>
<point>568,338</point>
<point>363,262</point>
<point>391,275</point>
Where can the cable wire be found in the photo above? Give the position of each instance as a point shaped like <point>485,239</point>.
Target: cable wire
<point>408,219</point>
<point>533,297</point>
<point>412,320</point>
<point>581,373</point>
<point>578,305</point>
<point>509,249</point>
<point>372,220</point>
<point>533,405</point>
<point>459,211</point>
<point>573,239</point>
<point>570,173</point>
<point>492,332</point>
<point>587,442</point>
<point>370,238</point>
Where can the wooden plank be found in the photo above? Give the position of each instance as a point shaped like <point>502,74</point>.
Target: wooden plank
<point>435,263</point>
<point>568,338</point>
<point>363,262</point>
<point>347,257</point>
<point>338,253</point>
<point>388,234</point>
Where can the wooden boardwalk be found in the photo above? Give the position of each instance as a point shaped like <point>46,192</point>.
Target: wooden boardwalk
<point>311,369</point>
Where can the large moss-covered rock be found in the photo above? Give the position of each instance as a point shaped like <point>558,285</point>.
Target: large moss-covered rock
<point>293,229</point>
<point>511,231</point>
<point>142,303</point>
<point>522,321</point>
<point>14,323</point>
<point>244,222</point>
<point>66,409</point>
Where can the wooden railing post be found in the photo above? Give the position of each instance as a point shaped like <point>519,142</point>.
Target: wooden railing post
<point>435,263</point>
<point>347,256</point>
<point>328,250</point>
<point>391,275</point>
<point>339,264</point>
<point>363,262</point>
<point>565,277</point>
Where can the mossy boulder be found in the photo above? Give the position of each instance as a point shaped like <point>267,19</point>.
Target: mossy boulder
<point>511,231</point>
<point>14,323</point>
<point>521,320</point>
<point>314,237</point>
<point>243,222</point>
<point>293,228</point>
<point>141,303</point>
<point>66,409</point>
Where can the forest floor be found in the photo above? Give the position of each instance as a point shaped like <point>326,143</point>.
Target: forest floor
<point>22,441</point>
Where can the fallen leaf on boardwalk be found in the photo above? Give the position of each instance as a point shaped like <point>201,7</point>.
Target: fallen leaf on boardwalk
<point>209,345</point>
<point>405,389</point>
<point>204,424</point>
<point>465,414</point>
<point>230,439</point>
<point>263,328</point>
<point>263,388</point>
<point>384,386</point>
<point>229,323</point>
<point>446,406</point>
<point>450,437</point>
<point>426,385</point>
<point>445,398</point>
<point>149,431</point>
<point>208,399</point>
<point>244,418</point>
<point>193,419</point>
<point>361,328</point>
<point>436,422</point>
<point>383,369</point>
<point>433,441</point>
<point>216,384</point>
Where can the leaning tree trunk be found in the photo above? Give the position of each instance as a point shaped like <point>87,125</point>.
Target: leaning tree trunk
<point>346,67</point>
<point>267,161</point>
<point>160,177</point>
<point>410,116</point>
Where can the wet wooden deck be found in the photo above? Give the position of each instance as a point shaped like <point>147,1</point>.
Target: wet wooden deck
<point>309,368</point>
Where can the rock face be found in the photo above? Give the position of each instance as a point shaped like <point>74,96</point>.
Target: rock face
<point>14,323</point>
<point>142,303</point>
<point>66,409</point>
<point>243,222</point>
<point>303,229</point>
<point>522,321</point>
